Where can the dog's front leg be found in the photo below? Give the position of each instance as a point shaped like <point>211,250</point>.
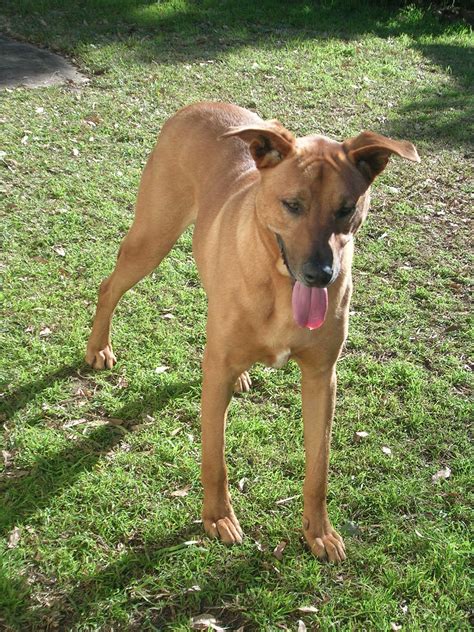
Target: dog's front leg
<point>318,394</point>
<point>218,516</point>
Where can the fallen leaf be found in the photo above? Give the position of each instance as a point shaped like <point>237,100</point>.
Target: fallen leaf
<point>168,316</point>
<point>138,427</point>
<point>24,140</point>
<point>75,152</point>
<point>149,418</point>
<point>441,474</point>
<point>360,435</point>
<point>285,501</point>
<point>122,382</point>
<point>301,626</point>
<point>30,329</point>
<point>7,458</point>
<point>45,332</point>
<point>193,589</point>
<point>82,391</point>
<point>14,538</point>
<point>161,369</point>
<point>278,550</point>
<point>15,473</point>
<point>308,609</point>
<point>75,422</point>
<point>39,110</point>
<point>181,492</point>
<point>241,484</point>
<point>205,621</point>
<point>386,450</point>
<point>59,250</point>
<point>175,432</point>
<point>93,120</point>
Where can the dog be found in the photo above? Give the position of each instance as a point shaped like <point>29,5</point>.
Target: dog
<point>275,218</point>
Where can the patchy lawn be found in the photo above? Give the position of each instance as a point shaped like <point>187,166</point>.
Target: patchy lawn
<point>92,536</point>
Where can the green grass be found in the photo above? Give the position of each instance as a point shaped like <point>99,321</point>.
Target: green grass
<point>102,542</point>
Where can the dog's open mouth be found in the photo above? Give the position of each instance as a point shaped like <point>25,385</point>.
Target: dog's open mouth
<point>309,303</point>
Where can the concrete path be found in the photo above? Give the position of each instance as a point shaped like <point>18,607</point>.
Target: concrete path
<point>26,65</point>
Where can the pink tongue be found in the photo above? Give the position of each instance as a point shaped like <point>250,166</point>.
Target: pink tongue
<point>309,305</point>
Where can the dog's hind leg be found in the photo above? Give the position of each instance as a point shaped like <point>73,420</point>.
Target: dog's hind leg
<point>163,211</point>
<point>243,383</point>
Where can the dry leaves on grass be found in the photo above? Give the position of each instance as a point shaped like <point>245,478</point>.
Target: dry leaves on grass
<point>120,424</point>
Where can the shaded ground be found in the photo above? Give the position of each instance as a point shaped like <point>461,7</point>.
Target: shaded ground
<point>23,64</point>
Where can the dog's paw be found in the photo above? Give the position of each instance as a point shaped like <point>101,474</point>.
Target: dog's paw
<point>101,359</point>
<point>226,529</point>
<point>328,546</point>
<point>243,383</point>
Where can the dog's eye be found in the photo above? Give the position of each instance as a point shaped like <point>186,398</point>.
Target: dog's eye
<point>293,206</point>
<point>345,211</point>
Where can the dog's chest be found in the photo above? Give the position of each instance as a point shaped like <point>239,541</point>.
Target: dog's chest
<point>277,360</point>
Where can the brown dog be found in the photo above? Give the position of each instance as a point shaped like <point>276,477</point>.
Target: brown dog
<point>275,218</point>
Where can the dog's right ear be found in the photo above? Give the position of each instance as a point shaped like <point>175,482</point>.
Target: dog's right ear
<point>269,144</point>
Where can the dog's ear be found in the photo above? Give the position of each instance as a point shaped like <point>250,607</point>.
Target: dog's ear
<point>269,144</point>
<point>370,152</point>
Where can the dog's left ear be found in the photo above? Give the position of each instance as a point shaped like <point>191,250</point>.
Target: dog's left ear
<point>268,144</point>
<point>370,152</point>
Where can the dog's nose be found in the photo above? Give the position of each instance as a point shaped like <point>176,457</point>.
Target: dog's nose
<point>317,274</point>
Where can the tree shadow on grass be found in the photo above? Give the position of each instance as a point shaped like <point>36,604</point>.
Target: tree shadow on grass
<point>156,33</point>
<point>443,115</point>
<point>159,606</point>
<point>26,393</point>
<point>88,21</point>
<point>24,494</point>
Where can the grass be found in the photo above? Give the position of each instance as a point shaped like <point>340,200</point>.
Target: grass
<point>91,459</point>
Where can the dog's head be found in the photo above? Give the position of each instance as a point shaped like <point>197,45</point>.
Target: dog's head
<point>314,192</point>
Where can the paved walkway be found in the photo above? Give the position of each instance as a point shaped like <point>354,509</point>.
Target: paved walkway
<point>26,65</point>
